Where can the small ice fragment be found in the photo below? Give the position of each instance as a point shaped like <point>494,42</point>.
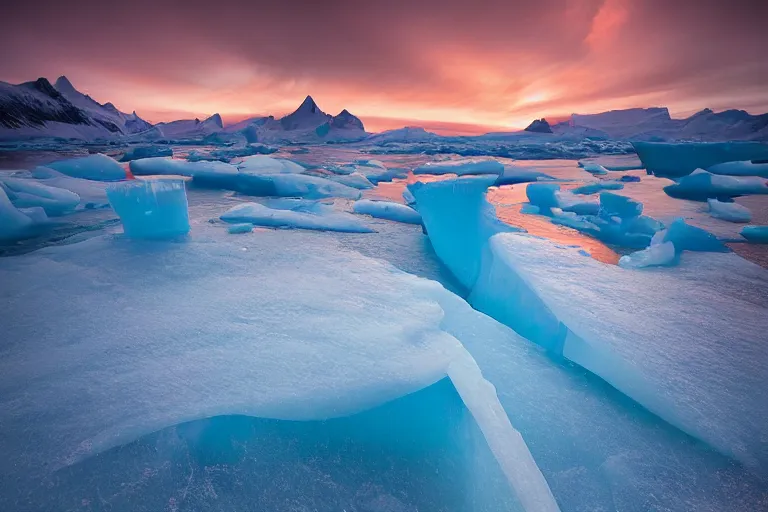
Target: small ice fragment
<point>731,212</point>
<point>655,255</point>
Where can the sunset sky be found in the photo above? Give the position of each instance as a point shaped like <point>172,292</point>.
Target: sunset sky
<point>452,66</point>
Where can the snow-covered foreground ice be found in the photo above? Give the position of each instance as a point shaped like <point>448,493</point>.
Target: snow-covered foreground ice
<point>640,330</point>
<point>249,326</point>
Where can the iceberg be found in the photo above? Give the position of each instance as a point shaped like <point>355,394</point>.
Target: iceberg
<point>93,194</point>
<point>655,255</point>
<point>701,185</point>
<point>203,169</point>
<point>459,243</point>
<point>299,214</point>
<point>630,179</point>
<point>137,152</point>
<point>593,188</point>
<point>755,234</point>
<point>263,164</point>
<point>743,168</point>
<point>543,195</point>
<point>29,193</point>
<point>294,185</point>
<point>593,168</point>
<point>354,180</point>
<point>387,210</point>
<point>690,238</point>
<point>151,208</point>
<point>731,212</point>
<point>92,167</point>
<point>568,202</point>
<point>615,205</point>
<point>679,159</point>
<point>14,225</point>
<point>461,167</point>
<point>236,229</point>
<point>513,175</point>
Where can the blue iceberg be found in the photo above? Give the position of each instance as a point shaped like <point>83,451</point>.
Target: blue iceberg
<point>151,208</point>
<point>680,159</point>
<point>92,167</point>
<point>387,210</point>
<point>731,212</point>
<point>29,193</point>
<point>755,234</point>
<point>701,185</point>
<point>295,213</point>
<point>461,167</point>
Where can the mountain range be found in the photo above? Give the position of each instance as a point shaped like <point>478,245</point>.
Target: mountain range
<point>40,109</point>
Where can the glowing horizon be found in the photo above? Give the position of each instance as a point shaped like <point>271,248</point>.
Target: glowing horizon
<point>392,65</point>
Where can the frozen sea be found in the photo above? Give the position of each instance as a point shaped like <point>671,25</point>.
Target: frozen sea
<point>324,371</point>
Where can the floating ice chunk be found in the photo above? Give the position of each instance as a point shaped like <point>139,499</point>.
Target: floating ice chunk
<point>376,174</point>
<point>679,159</point>
<point>461,167</point>
<point>530,209</point>
<point>294,185</point>
<point>459,243</point>
<point>169,166</point>
<point>28,193</point>
<point>387,210</point>
<point>543,195</point>
<point>732,212</point>
<point>244,227</point>
<point>354,180</point>
<point>151,208</point>
<point>137,152</point>
<point>593,188</point>
<point>513,175</point>
<point>653,256</point>
<point>629,178</point>
<point>755,234</point>
<point>701,185</point>
<point>92,167</point>
<point>641,224</point>
<point>93,194</point>
<point>690,238</point>
<point>298,214</point>
<point>370,162</point>
<point>263,164</point>
<point>615,205</point>
<point>743,168</point>
<point>14,225</point>
<point>593,168</point>
<point>570,203</point>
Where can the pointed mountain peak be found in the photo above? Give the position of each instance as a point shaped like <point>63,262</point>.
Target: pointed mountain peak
<point>215,119</point>
<point>63,83</point>
<point>308,103</point>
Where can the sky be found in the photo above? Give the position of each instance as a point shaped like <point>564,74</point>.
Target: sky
<point>452,66</point>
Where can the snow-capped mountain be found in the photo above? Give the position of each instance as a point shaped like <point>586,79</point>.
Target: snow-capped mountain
<point>39,109</point>
<point>656,124</point>
<point>308,123</point>
<point>185,129</point>
<point>307,116</point>
<point>104,114</point>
